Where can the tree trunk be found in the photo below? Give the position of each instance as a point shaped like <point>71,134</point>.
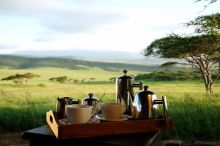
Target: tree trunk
<point>203,64</point>
<point>207,77</point>
<point>208,88</point>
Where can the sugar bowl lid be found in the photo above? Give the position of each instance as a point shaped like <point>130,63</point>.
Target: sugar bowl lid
<point>90,98</point>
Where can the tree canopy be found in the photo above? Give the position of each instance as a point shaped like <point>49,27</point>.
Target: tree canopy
<point>209,2</point>
<point>18,78</point>
<point>175,46</point>
<point>201,50</point>
<point>209,24</point>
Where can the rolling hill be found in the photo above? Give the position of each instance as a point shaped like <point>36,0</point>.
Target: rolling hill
<point>21,62</point>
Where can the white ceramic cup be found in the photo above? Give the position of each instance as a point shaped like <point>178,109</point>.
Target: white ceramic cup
<point>112,110</point>
<point>78,114</point>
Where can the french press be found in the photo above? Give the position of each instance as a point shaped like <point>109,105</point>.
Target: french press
<point>124,91</point>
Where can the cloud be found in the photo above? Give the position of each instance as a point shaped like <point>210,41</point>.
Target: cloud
<point>57,16</point>
<point>7,46</point>
<point>41,39</point>
<point>78,21</point>
<point>22,6</point>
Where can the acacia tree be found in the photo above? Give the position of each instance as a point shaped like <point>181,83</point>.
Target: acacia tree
<point>60,79</point>
<point>209,2</point>
<point>202,50</point>
<point>18,78</point>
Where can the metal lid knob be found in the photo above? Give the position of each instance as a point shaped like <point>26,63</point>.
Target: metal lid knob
<point>146,88</point>
<point>90,98</point>
<point>90,95</point>
<point>125,71</point>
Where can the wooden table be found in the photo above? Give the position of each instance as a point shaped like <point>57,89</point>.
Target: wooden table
<point>43,136</point>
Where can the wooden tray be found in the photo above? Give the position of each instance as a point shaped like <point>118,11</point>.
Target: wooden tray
<point>105,128</point>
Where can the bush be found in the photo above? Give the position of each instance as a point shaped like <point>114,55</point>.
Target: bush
<point>41,85</point>
<point>60,79</point>
<point>168,75</point>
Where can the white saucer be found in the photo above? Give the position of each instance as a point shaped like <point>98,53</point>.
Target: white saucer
<point>121,119</point>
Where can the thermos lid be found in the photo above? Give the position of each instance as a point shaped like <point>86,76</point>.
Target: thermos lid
<point>65,98</point>
<point>145,91</point>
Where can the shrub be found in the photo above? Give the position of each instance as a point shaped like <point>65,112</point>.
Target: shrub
<point>168,75</point>
<point>60,79</point>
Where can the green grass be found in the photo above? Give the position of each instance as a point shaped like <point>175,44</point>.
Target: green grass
<point>196,114</point>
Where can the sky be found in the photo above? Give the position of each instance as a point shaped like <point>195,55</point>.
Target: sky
<point>105,25</point>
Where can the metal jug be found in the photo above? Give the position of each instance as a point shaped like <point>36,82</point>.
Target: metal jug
<point>143,104</point>
<point>124,91</point>
<point>61,104</point>
<point>146,105</point>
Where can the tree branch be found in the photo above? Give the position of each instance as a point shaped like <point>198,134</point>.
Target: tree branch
<point>213,63</point>
<point>216,78</point>
<point>192,62</point>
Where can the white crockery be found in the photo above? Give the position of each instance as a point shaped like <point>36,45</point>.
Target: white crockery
<point>78,114</point>
<point>112,110</point>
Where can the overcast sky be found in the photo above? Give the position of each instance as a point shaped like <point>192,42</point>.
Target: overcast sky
<point>108,25</point>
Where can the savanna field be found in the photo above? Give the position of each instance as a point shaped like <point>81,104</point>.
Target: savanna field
<point>196,114</point>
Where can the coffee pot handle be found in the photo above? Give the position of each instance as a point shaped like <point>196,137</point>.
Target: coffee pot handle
<point>163,101</point>
<point>140,85</point>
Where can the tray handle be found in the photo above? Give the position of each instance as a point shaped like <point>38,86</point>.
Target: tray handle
<point>52,121</point>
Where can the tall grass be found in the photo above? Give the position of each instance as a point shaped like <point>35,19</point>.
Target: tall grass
<point>196,117</point>
<point>196,114</point>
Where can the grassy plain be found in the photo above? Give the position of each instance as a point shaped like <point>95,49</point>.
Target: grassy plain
<point>196,114</point>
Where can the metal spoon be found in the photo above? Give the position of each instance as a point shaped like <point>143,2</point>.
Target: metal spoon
<point>98,110</point>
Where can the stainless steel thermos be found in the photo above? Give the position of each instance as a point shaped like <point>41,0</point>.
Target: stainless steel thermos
<point>143,103</point>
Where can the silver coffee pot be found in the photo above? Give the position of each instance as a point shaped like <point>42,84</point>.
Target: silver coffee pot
<point>143,104</point>
<point>124,91</point>
<point>146,105</point>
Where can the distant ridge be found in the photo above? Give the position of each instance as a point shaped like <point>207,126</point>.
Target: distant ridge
<point>106,56</point>
<point>21,62</point>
